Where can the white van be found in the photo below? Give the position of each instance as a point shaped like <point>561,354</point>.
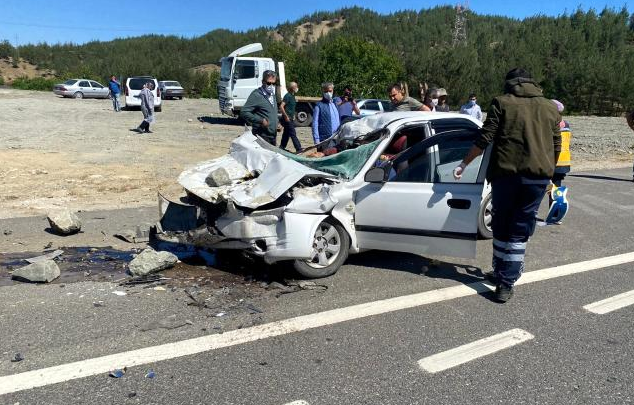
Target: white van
<point>132,89</point>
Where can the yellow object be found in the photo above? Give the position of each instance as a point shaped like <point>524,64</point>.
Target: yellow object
<point>564,156</point>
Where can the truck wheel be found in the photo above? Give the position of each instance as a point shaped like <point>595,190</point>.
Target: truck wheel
<point>330,250</point>
<point>484,218</point>
<point>303,116</point>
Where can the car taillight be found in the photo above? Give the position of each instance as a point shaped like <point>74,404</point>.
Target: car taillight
<point>62,88</point>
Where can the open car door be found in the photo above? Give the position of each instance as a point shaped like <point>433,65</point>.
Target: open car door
<point>421,208</point>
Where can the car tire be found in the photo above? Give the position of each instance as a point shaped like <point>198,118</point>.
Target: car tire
<point>484,218</point>
<point>329,234</point>
<point>78,95</point>
<point>303,116</point>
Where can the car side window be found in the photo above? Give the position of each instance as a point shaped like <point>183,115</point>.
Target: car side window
<point>372,105</point>
<point>96,85</point>
<point>435,162</point>
<point>387,106</point>
<point>245,69</point>
<point>84,83</point>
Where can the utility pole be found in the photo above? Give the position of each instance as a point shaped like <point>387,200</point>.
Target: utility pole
<point>460,25</point>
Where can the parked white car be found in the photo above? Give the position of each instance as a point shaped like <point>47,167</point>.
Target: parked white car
<point>132,89</point>
<point>371,106</point>
<point>81,88</point>
<point>390,186</point>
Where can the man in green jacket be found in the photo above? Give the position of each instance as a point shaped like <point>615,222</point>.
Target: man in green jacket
<point>523,127</point>
<point>260,110</point>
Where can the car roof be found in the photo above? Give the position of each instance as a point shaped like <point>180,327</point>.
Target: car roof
<point>386,118</point>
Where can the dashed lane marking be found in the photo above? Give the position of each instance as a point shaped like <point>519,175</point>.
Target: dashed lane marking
<point>300,402</point>
<point>90,367</point>
<point>611,304</point>
<point>474,350</point>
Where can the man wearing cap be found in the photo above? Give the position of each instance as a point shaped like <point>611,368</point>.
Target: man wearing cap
<point>441,95</point>
<point>522,126</point>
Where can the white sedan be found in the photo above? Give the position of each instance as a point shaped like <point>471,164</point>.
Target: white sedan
<point>387,184</point>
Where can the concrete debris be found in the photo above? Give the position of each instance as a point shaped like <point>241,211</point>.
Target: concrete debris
<point>276,286</point>
<point>17,358</point>
<point>218,177</point>
<point>137,235</point>
<point>49,256</point>
<point>120,293</point>
<point>64,222</point>
<point>7,232</point>
<point>151,261</point>
<point>40,272</point>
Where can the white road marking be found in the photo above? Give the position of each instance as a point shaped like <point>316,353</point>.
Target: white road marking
<point>611,304</point>
<point>99,365</point>
<point>474,350</point>
<point>300,402</point>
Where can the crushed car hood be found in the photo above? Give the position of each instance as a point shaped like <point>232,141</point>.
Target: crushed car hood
<point>251,175</point>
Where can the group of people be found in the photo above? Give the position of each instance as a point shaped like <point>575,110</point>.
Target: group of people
<point>261,112</point>
<point>147,103</point>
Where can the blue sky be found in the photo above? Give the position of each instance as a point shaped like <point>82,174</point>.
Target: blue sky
<point>79,21</point>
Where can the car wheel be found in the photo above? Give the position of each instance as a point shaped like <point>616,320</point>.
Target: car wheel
<point>330,250</point>
<point>303,116</point>
<point>78,94</point>
<point>485,215</point>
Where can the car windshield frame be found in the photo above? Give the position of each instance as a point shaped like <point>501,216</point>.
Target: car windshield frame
<point>70,82</point>
<point>172,84</point>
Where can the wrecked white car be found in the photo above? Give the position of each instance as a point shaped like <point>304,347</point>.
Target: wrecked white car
<point>386,183</point>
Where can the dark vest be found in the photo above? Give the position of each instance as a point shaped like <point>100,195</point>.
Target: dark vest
<point>325,120</point>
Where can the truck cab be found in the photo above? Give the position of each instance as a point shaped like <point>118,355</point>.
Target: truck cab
<point>239,76</point>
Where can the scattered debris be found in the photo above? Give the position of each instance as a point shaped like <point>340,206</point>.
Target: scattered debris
<point>17,358</point>
<point>276,286</point>
<point>137,235</point>
<point>119,293</point>
<point>168,323</point>
<point>118,373</point>
<point>220,314</point>
<point>151,261</point>
<point>48,256</point>
<point>159,288</point>
<point>150,374</point>
<point>40,272</point>
<point>64,222</point>
<point>7,232</point>
<point>98,304</point>
<point>253,309</point>
<point>145,279</point>
<point>132,394</point>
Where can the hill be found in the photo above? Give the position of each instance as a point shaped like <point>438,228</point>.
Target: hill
<point>582,58</point>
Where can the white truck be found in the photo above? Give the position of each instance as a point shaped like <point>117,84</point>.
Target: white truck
<point>240,75</point>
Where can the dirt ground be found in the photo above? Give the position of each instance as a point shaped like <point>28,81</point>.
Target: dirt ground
<point>58,152</point>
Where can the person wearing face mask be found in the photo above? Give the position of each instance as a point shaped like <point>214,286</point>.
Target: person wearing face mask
<point>260,110</point>
<point>325,115</point>
<point>472,108</point>
<point>441,100</point>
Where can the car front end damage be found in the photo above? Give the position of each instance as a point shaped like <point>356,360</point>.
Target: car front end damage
<point>253,199</point>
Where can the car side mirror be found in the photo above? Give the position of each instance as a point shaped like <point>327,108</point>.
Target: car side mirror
<point>377,175</point>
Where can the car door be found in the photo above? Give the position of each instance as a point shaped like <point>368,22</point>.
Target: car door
<point>421,208</point>
<point>245,79</point>
<point>98,90</point>
<point>84,88</point>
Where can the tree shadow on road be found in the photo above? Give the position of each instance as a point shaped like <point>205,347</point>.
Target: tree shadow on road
<point>221,120</point>
<point>597,177</point>
<point>470,276</point>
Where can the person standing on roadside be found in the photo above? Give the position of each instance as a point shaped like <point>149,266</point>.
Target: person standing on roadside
<point>630,122</point>
<point>523,128</point>
<point>115,91</point>
<point>288,118</point>
<point>346,104</point>
<point>325,115</point>
<point>147,107</point>
<point>260,110</point>
<point>472,108</point>
<point>402,103</point>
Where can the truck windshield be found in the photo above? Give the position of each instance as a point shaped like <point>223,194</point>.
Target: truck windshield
<point>225,69</point>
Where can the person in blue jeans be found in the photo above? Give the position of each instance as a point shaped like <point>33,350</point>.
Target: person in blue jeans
<point>522,127</point>
<point>115,91</point>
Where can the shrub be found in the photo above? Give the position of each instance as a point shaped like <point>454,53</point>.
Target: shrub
<point>36,83</point>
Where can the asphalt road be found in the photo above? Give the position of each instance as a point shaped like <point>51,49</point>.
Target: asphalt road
<point>574,356</point>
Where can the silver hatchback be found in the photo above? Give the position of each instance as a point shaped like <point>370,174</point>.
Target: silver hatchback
<point>81,88</point>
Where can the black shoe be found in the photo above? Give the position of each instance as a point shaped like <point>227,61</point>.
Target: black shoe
<point>138,130</point>
<point>492,277</point>
<point>503,293</point>
<point>147,131</point>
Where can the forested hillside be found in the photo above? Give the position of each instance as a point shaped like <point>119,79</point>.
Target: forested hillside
<point>585,59</point>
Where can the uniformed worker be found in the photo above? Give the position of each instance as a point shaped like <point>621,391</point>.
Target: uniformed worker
<point>523,128</point>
